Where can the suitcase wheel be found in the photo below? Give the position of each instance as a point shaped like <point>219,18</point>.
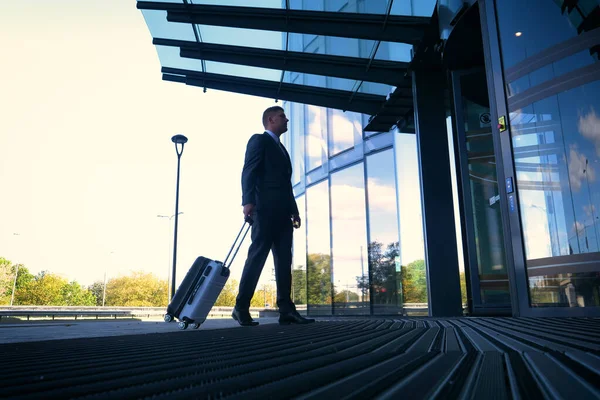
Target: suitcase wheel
<point>195,325</point>
<point>182,325</point>
<point>168,318</point>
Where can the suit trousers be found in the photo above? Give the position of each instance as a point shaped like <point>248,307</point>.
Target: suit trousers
<point>269,233</point>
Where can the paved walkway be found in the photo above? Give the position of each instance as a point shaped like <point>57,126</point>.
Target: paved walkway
<point>34,331</point>
<point>351,358</point>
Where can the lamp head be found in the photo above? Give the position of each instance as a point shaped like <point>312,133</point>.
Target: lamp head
<point>179,139</point>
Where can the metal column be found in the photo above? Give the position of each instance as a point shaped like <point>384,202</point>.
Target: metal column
<point>441,257</point>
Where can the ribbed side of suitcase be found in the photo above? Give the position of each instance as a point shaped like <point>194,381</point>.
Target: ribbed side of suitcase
<point>187,286</point>
<point>205,293</point>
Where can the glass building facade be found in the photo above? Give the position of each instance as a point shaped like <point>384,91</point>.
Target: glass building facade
<point>467,175</point>
<point>362,241</point>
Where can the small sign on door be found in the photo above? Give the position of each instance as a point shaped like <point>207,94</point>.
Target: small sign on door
<point>485,120</point>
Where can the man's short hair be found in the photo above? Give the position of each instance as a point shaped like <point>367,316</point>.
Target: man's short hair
<point>269,112</point>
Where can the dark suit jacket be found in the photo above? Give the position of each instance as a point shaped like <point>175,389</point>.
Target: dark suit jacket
<point>266,177</point>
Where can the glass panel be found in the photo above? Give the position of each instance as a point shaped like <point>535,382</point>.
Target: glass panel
<point>384,247</point>
<point>394,51</point>
<point>243,71</point>
<point>528,28</point>
<point>316,144</point>
<point>422,8</point>
<point>349,238</point>
<point>551,71</point>
<point>345,129</point>
<point>556,143</point>
<point>339,46</point>
<point>299,258</point>
<point>565,290</point>
<point>337,5</point>
<point>241,36</point>
<point>454,175</point>
<point>412,249</point>
<point>318,258</point>
<point>242,3</point>
<point>316,5</point>
<point>483,187</point>
<point>160,28</point>
<point>169,57</point>
<point>297,134</point>
<point>556,146</point>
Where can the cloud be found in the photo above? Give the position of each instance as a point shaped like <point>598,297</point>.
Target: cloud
<point>578,227</point>
<point>578,169</point>
<point>590,211</point>
<point>589,127</point>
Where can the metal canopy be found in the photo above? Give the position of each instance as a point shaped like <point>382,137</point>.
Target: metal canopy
<point>355,68</point>
<point>334,98</point>
<point>392,28</point>
<point>246,50</point>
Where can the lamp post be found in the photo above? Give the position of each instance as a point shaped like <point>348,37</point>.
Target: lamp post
<point>104,286</point>
<point>178,140</point>
<point>169,263</point>
<point>12,295</point>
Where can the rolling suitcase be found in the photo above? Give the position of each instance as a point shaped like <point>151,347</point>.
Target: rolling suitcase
<point>201,287</point>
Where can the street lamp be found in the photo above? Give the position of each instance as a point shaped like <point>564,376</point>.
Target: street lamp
<point>169,262</point>
<point>12,295</point>
<point>104,286</point>
<point>178,140</point>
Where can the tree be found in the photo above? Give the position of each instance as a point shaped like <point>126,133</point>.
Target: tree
<point>73,294</point>
<point>44,290</point>
<point>228,294</point>
<point>299,285</point>
<point>319,278</point>
<point>463,287</point>
<point>267,294</point>
<point>140,289</point>
<point>345,296</point>
<point>6,280</point>
<point>385,279</point>
<point>97,290</point>
<point>414,283</point>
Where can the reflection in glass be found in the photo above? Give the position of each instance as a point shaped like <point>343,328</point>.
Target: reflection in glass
<point>412,248</point>
<point>556,144</point>
<point>384,249</point>
<point>541,23</point>
<point>349,241</point>
<point>345,130</point>
<point>316,126</point>
<point>318,258</point>
<point>551,71</point>
<point>297,135</point>
<point>485,198</point>
<point>299,258</point>
<point>565,290</point>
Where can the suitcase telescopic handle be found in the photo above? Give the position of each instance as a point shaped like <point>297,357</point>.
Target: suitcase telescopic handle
<point>249,221</point>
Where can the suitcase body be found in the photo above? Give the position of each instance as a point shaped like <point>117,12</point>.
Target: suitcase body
<point>199,290</point>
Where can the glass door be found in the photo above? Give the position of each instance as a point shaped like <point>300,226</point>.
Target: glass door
<point>485,258</point>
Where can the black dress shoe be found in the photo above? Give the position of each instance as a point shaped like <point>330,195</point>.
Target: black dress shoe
<point>243,318</point>
<point>293,318</point>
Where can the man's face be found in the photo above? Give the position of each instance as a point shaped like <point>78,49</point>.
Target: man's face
<point>279,122</point>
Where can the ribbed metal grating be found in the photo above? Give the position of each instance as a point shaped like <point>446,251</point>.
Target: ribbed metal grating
<point>487,358</point>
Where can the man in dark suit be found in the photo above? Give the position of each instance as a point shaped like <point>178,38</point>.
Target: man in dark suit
<point>268,199</point>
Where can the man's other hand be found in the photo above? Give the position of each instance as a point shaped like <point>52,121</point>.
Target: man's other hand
<point>248,210</point>
<point>297,221</point>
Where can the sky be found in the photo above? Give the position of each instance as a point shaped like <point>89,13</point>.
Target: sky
<point>87,160</point>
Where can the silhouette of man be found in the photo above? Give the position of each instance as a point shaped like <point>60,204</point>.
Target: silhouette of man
<point>268,199</point>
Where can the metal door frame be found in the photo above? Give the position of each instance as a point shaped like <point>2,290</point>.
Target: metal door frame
<point>467,219</point>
